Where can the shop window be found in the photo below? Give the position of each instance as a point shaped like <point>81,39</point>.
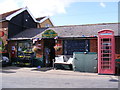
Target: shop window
<point>71,46</point>
<point>24,47</point>
<point>48,25</point>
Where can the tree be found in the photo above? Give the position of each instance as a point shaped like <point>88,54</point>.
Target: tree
<point>1,44</point>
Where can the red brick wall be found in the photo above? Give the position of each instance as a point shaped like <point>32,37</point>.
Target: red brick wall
<point>93,45</point>
<point>4,24</point>
<point>40,44</point>
<point>59,52</point>
<point>117,56</point>
<point>117,45</point>
<point>12,43</point>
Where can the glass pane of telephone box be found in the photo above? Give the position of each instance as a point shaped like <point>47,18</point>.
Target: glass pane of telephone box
<point>106,47</point>
<point>106,51</point>
<point>106,59</point>
<point>106,55</point>
<point>106,67</point>
<point>106,63</point>
<point>106,39</point>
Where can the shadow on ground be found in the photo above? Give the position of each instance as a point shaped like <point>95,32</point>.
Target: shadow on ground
<point>114,80</point>
<point>42,69</point>
<point>8,71</point>
<point>10,68</point>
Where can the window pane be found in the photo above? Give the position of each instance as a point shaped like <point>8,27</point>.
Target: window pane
<point>71,46</point>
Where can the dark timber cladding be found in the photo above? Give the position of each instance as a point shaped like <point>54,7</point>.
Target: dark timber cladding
<point>20,22</point>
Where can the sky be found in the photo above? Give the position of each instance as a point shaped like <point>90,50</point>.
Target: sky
<point>68,12</point>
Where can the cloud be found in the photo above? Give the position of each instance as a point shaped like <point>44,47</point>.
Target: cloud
<point>102,4</point>
<point>7,5</point>
<point>42,7</point>
<point>38,7</point>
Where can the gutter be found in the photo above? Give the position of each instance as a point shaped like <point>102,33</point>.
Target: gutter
<point>3,20</point>
<point>19,39</point>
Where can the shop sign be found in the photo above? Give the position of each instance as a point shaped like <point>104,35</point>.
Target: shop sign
<point>49,34</point>
<point>1,33</point>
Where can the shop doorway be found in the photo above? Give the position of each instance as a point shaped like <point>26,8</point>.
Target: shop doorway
<point>49,52</point>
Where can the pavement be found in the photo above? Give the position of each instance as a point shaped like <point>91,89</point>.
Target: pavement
<point>27,77</point>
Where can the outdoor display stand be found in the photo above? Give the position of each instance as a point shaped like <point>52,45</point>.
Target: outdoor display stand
<point>25,59</point>
<point>106,52</point>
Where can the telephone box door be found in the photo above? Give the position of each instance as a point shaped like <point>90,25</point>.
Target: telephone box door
<point>106,52</point>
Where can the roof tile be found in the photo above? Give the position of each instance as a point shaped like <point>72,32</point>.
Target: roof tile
<point>71,31</point>
<point>4,15</point>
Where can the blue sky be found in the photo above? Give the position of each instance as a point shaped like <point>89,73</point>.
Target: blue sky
<point>68,12</point>
<point>88,13</point>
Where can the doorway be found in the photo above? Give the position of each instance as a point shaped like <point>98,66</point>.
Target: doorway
<point>49,52</point>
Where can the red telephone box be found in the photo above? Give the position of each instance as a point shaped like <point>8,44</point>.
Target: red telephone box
<point>106,52</point>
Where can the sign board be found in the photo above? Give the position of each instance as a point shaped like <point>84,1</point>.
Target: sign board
<point>49,34</point>
<point>1,33</point>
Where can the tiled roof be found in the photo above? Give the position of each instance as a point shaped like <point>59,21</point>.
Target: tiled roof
<point>4,15</point>
<point>40,18</point>
<point>29,33</point>
<point>88,30</point>
<point>11,14</point>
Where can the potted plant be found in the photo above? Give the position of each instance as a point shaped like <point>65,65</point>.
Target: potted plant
<point>36,49</point>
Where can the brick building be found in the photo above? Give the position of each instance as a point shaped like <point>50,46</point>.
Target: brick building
<point>22,30</point>
<point>69,39</point>
<point>16,21</point>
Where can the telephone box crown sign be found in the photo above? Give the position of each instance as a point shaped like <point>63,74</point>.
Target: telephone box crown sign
<point>106,32</point>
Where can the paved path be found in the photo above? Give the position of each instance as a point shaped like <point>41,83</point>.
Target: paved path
<point>17,77</point>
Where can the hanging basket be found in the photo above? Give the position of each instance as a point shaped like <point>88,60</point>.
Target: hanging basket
<point>36,49</point>
<point>57,48</point>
